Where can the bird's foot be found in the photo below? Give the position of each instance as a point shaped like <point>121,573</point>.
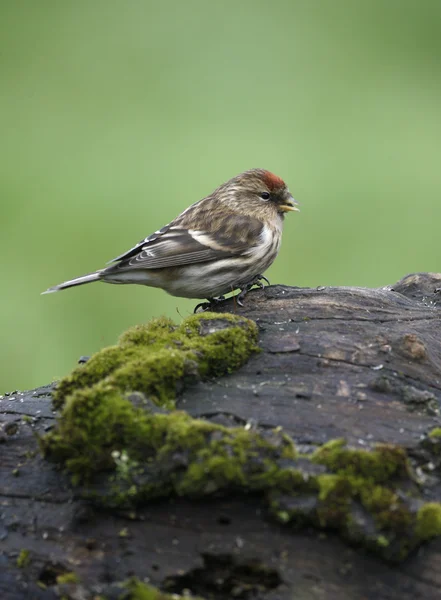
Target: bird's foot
<point>210,304</point>
<point>213,302</point>
<point>257,281</point>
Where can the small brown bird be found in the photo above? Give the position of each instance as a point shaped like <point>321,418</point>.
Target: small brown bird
<point>222,243</point>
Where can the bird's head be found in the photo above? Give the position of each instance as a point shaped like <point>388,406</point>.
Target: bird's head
<point>262,190</point>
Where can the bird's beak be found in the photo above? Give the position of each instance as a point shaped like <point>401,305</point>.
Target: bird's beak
<point>289,204</point>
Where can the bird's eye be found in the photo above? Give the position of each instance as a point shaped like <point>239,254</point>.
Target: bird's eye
<point>265,196</point>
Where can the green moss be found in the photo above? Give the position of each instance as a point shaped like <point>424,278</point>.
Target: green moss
<point>122,454</point>
<point>234,458</point>
<point>432,444</point>
<point>368,480</point>
<point>107,432</point>
<point>435,433</point>
<point>137,590</point>
<point>428,523</point>
<point>359,497</point>
<point>382,541</point>
<point>143,456</point>
<point>157,358</point>
<point>334,497</point>
<point>378,465</point>
<point>97,418</point>
<point>23,559</point>
<point>68,577</point>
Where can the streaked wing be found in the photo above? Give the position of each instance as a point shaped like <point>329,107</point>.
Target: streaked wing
<point>174,245</point>
<point>139,246</point>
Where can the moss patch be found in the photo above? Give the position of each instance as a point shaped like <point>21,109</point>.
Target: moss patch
<point>160,357</point>
<point>23,559</point>
<point>379,465</point>
<point>432,443</point>
<point>132,457</point>
<point>67,578</point>
<point>435,433</point>
<point>367,496</point>
<point>123,454</point>
<point>137,590</point>
<point>134,589</point>
<point>154,359</point>
<point>150,455</point>
<point>429,521</point>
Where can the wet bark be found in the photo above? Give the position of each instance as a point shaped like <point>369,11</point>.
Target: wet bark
<point>362,364</point>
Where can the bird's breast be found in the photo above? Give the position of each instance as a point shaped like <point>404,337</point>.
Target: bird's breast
<point>270,240</point>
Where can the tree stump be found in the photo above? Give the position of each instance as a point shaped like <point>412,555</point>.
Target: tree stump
<point>353,363</point>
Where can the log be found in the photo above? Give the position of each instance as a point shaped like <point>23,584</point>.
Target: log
<point>353,363</point>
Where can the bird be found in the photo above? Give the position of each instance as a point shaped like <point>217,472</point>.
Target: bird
<point>221,243</point>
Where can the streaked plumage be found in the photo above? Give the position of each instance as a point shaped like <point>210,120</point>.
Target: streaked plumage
<point>219,244</point>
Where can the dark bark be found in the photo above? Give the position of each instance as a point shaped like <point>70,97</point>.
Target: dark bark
<point>362,364</point>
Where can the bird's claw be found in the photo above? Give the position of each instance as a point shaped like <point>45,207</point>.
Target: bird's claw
<point>260,284</point>
<point>211,303</point>
<point>244,291</point>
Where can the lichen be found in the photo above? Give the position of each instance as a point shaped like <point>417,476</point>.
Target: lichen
<point>158,357</point>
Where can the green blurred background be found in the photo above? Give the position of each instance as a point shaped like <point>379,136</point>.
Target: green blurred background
<point>115,116</point>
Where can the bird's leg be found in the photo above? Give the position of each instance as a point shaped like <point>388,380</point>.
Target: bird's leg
<point>243,292</point>
<point>211,303</point>
<point>246,288</point>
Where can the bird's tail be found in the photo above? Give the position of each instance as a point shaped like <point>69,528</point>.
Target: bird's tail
<point>96,276</point>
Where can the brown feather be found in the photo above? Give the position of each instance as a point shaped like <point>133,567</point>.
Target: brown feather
<point>218,244</point>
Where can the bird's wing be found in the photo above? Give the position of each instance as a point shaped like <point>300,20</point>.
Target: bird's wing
<point>175,245</point>
<point>140,245</point>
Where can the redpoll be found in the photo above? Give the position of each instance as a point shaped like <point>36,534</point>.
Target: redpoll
<point>223,242</point>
